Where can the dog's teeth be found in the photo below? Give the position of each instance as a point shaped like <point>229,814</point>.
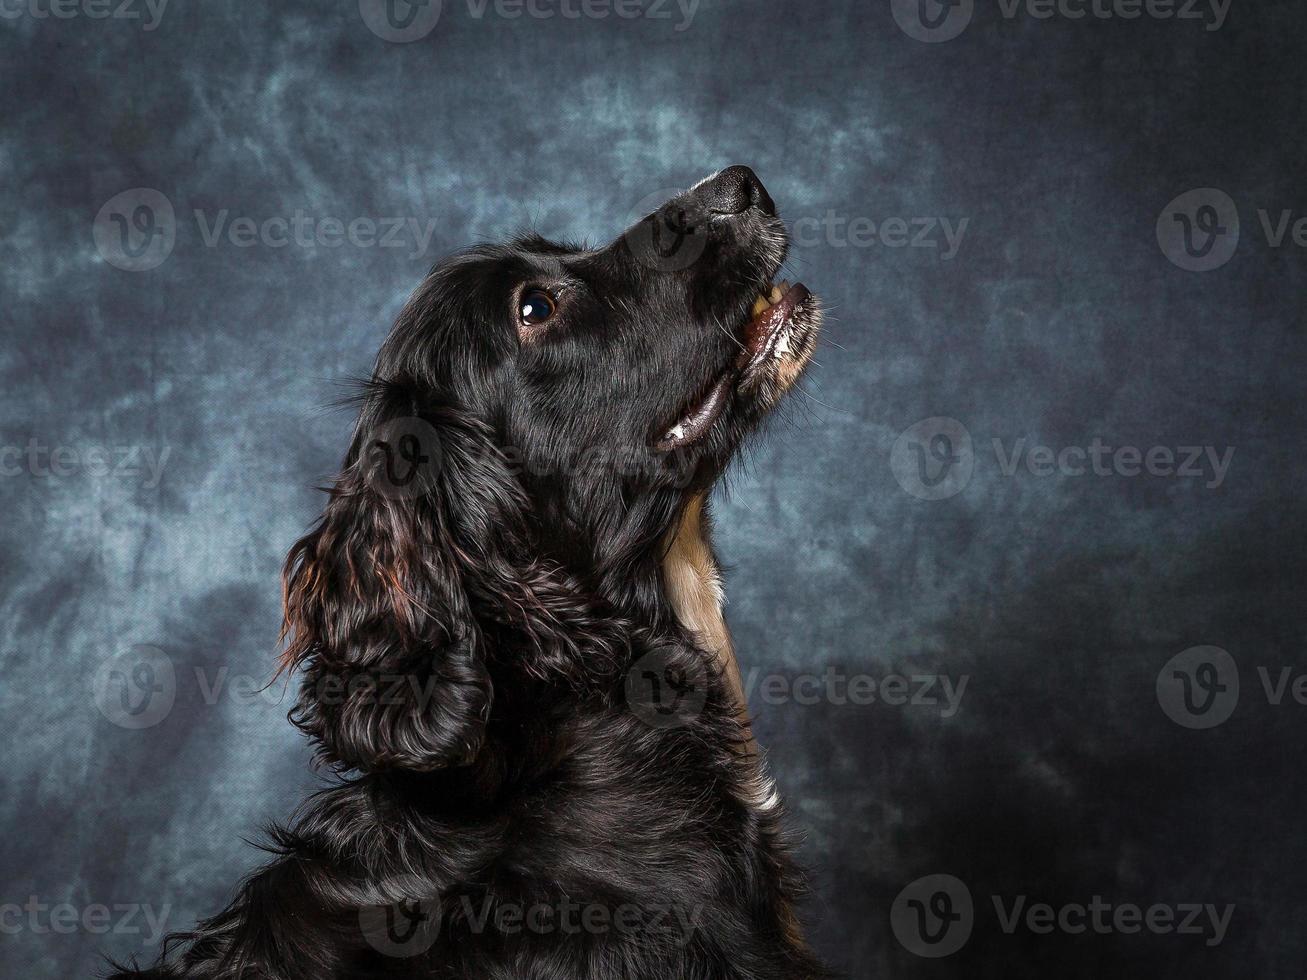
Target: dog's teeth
<point>760,305</point>
<point>776,295</point>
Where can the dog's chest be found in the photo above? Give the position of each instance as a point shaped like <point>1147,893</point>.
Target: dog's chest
<point>694,590</point>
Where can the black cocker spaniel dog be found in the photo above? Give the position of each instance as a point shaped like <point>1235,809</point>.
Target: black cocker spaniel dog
<point>508,625</point>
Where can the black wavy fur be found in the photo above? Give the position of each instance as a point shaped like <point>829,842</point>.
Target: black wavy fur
<point>466,617</point>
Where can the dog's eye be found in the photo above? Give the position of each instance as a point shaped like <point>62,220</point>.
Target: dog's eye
<point>537,307</point>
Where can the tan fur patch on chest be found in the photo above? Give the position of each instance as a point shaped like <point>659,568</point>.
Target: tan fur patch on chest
<point>694,589</point>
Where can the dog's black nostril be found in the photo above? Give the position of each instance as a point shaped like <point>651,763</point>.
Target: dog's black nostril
<point>736,190</point>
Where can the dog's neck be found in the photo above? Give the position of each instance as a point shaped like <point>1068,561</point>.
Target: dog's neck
<point>694,590</point>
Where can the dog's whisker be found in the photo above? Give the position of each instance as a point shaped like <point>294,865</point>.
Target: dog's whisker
<point>809,395</point>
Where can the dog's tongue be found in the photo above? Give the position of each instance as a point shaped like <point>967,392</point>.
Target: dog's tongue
<point>693,426</point>
<point>771,313</point>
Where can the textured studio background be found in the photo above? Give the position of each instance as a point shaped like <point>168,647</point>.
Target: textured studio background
<point>167,371</point>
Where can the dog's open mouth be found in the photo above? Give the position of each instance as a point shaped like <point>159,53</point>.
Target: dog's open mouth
<point>769,334</point>
<point>775,342</point>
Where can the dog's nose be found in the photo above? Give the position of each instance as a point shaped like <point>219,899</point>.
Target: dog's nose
<point>734,191</point>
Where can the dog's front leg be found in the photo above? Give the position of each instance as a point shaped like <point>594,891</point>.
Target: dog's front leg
<point>280,927</point>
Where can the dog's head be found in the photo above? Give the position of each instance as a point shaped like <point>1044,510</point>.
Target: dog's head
<point>536,422</point>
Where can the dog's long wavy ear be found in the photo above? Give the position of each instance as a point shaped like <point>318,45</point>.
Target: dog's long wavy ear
<point>378,606</point>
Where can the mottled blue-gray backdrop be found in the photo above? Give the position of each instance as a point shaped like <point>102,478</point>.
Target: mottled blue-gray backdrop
<point>997,206</point>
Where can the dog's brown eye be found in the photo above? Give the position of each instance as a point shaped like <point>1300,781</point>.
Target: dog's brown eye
<point>537,307</point>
